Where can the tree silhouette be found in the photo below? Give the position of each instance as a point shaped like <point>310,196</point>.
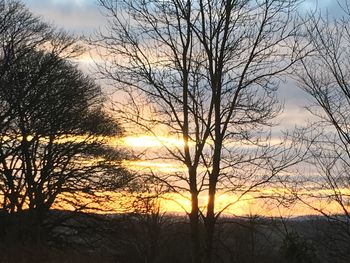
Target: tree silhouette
<point>205,72</point>
<point>324,78</point>
<point>53,125</point>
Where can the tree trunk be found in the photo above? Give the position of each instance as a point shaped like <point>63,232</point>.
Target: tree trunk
<point>209,228</point>
<point>194,223</point>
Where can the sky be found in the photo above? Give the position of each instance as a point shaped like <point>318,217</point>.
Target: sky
<point>76,16</point>
<point>85,17</point>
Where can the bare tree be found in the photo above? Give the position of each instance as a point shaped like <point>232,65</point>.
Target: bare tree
<point>206,73</point>
<point>149,220</point>
<point>325,78</point>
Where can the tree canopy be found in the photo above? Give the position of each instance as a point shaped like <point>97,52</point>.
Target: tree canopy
<point>53,123</point>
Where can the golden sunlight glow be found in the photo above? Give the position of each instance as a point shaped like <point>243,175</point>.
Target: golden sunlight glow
<point>144,141</point>
<point>179,203</point>
<point>175,203</point>
<point>155,166</point>
<point>248,205</point>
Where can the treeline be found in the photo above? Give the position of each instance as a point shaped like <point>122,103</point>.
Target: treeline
<point>133,238</point>
<point>204,72</point>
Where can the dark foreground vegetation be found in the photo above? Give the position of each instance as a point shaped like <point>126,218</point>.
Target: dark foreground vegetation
<point>137,238</point>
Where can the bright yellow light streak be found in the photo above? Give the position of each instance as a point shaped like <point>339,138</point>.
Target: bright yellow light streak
<point>159,166</point>
<point>155,166</point>
<point>145,141</point>
<point>59,139</point>
<point>111,202</point>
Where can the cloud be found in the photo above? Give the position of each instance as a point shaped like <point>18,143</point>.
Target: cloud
<point>332,7</point>
<point>84,16</point>
<point>78,16</point>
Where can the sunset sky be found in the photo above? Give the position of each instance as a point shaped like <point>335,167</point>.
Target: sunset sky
<point>85,17</point>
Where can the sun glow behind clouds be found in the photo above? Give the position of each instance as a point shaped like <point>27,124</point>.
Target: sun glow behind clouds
<point>145,141</point>
<point>176,203</point>
<point>155,166</point>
